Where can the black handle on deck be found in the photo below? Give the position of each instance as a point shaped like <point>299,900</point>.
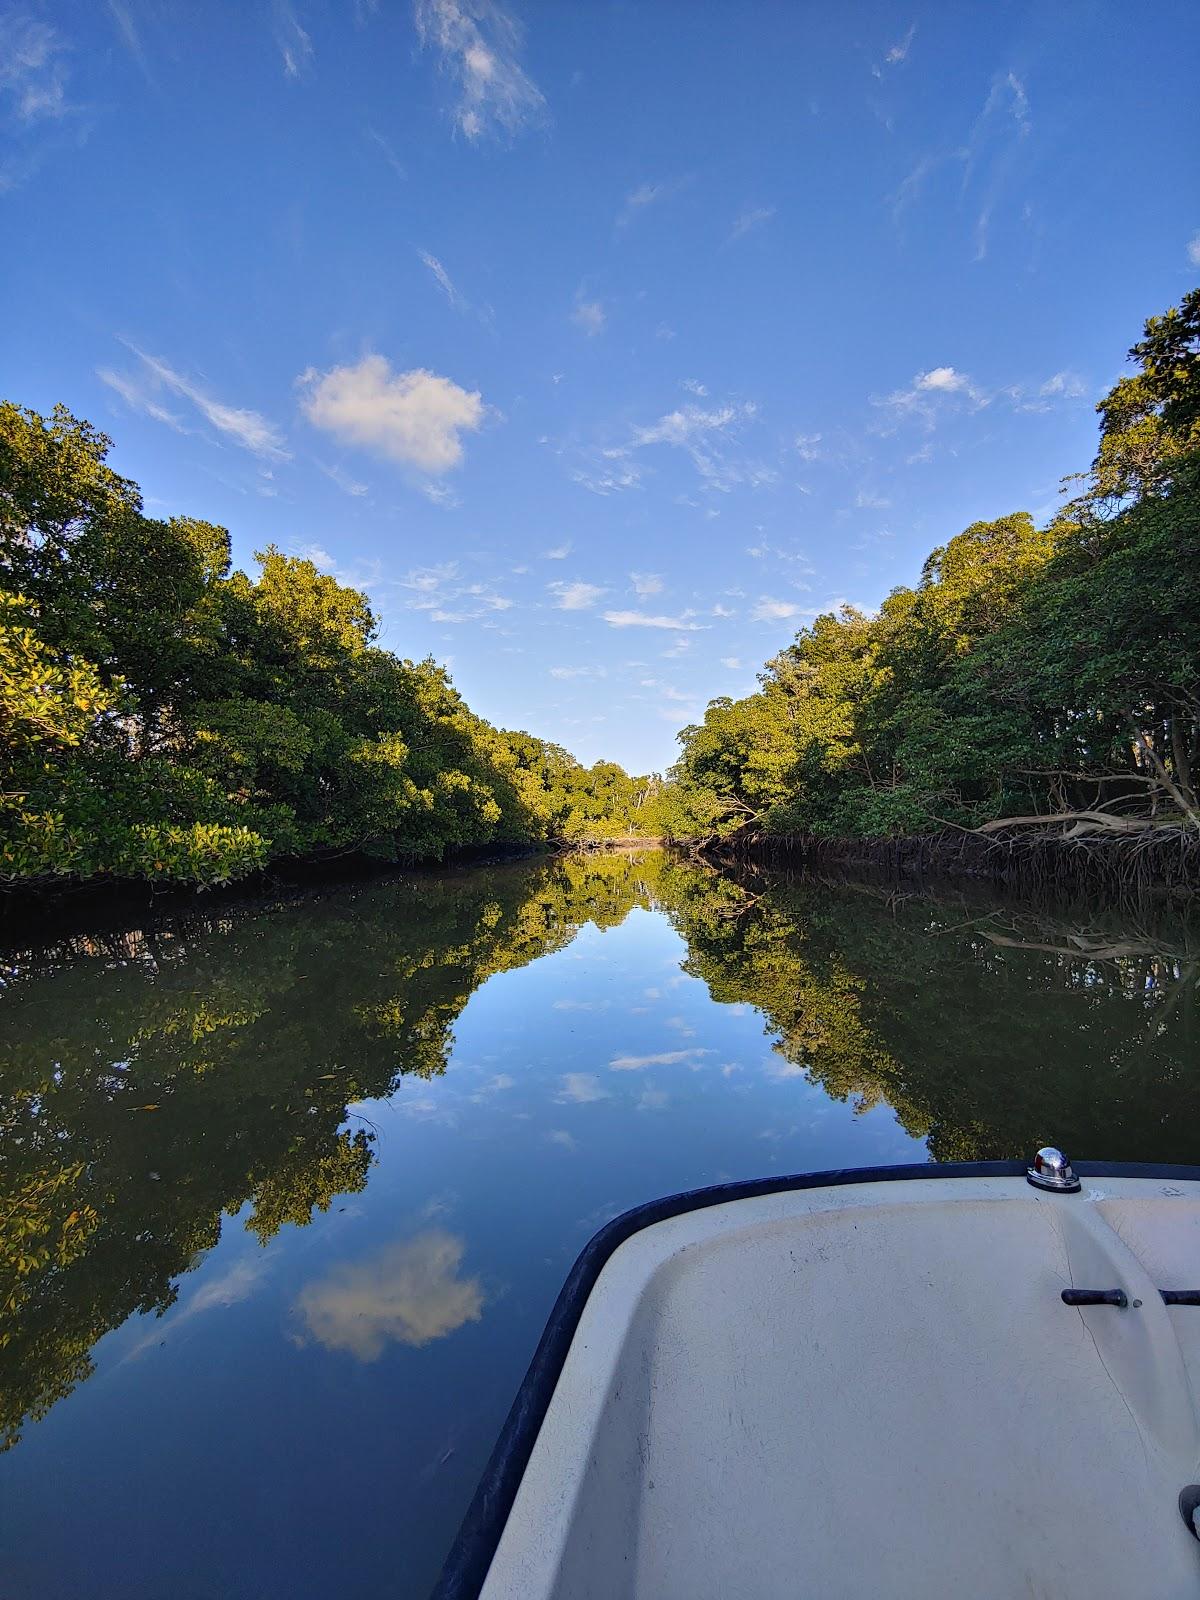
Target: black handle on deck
<point>1117,1297</point>
<point>1095,1297</point>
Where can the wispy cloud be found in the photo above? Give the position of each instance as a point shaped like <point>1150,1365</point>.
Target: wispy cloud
<point>694,386</point>
<point>33,69</point>
<point>899,51</point>
<point>1193,250</point>
<point>576,596</point>
<point>639,619</point>
<point>389,155</point>
<point>639,200</point>
<point>732,663</point>
<point>443,280</point>
<point>127,32</point>
<point>665,1058</point>
<point>608,474</point>
<point>344,481</point>
<point>250,430</point>
<point>768,610</point>
<point>707,437</point>
<point>920,399</point>
<point>416,417</point>
<point>581,1088</point>
<point>295,46</point>
<point>479,44</point>
<point>688,423</point>
<point>576,672</point>
<point>559,552</point>
<point>137,394</point>
<point>645,583</point>
<point>753,217</point>
<point>988,157</point>
<point>939,390</point>
<point>590,316</point>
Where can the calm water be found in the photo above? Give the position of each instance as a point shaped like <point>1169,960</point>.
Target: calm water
<point>292,1187</point>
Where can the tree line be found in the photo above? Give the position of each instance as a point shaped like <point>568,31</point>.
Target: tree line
<point>163,716</point>
<point>1036,678</point>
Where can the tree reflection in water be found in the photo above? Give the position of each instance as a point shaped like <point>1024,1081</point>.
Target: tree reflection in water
<point>155,1080</point>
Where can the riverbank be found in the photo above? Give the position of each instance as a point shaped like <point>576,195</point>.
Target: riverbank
<point>43,908</point>
<point>1093,868</point>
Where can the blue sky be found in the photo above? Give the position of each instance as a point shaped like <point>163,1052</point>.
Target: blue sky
<point>604,344</point>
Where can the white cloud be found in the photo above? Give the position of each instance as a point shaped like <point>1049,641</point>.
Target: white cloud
<point>666,1058</point>
<point>249,429</point>
<point>694,386</point>
<point>414,417</point>
<point>807,446</point>
<point>560,552</point>
<point>443,280</point>
<point>1067,384</point>
<point>562,1137</point>
<point>318,555</point>
<point>646,583</point>
<point>581,1088</point>
<point>590,316</point>
<point>479,44</point>
<point>768,610</point>
<point>577,672</point>
<point>944,379</point>
<point>867,500</point>
<point>934,385</point>
<point>639,619</point>
<point>575,596</point>
<point>732,662</point>
<point>410,1293</point>
<point>295,46</point>
<point>752,217</point>
<point>1193,250</point>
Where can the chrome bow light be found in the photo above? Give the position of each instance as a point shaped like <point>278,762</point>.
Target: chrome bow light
<point>1052,1170</point>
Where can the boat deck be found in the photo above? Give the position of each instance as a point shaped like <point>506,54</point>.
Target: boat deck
<point>876,1390</point>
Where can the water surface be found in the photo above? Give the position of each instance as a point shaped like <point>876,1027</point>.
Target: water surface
<point>287,1190</point>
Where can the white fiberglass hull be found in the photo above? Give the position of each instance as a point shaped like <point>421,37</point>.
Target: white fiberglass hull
<point>861,1388</point>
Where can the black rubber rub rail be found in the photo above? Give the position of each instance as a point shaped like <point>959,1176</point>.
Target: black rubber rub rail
<point>467,1565</point>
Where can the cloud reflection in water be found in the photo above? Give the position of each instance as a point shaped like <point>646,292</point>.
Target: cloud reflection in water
<point>409,1292</point>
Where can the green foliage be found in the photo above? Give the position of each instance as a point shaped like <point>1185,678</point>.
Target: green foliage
<point>1033,674</point>
<point>164,717</point>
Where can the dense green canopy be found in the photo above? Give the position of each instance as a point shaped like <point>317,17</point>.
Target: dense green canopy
<point>165,717</point>
<point>1033,675</point>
